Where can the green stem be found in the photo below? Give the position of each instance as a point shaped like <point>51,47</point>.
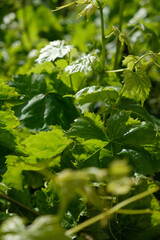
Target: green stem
<point>108,36</point>
<point>139,59</point>
<point>120,95</point>
<point>111,211</point>
<point>117,70</point>
<point>103,39</point>
<point>70,77</point>
<point>19,204</point>
<point>121,9</point>
<point>132,31</point>
<point>156,63</point>
<point>135,212</point>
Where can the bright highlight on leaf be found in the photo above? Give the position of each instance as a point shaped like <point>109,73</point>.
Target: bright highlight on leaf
<point>56,49</point>
<point>84,64</point>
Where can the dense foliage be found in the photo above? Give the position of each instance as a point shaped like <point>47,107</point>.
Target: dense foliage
<point>79,120</point>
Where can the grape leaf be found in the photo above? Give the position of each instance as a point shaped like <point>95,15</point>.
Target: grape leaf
<point>29,85</point>
<point>125,130</point>
<point>86,153</point>
<point>137,111</point>
<point>56,49</point>
<point>141,160</point>
<point>87,11</point>
<point>44,146</point>
<point>8,125</point>
<point>129,61</point>
<point>136,84</point>
<point>42,102</point>
<point>7,94</point>
<point>15,166</point>
<point>44,110</point>
<point>40,150</point>
<point>88,127</point>
<point>96,93</point>
<point>84,64</point>
<point>121,37</point>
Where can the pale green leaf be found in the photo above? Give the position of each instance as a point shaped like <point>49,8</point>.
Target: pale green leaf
<point>136,84</point>
<point>129,61</point>
<point>86,150</point>
<point>87,11</point>
<point>45,145</point>
<point>8,132</point>
<point>56,49</point>
<point>13,177</point>
<point>84,64</point>
<point>7,94</point>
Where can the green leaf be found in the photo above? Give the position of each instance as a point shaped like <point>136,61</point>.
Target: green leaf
<point>13,177</point>
<point>144,134</point>
<point>129,61</point>
<point>125,130</point>
<point>47,200</point>
<point>7,94</point>
<point>44,110</point>
<point>137,111</point>
<point>91,138</point>
<point>44,227</point>
<point>42,101</point>
<point>29,85</point>
<point>56,49</point>
<point>88,11</point>
<point>88,127</point>
<point>96,93</point>
<point>40,150</point>
<point>122,37</point>
<point>116,124</point>
<point>44,146</point>
<point>8,133</point>
<point>136,84</point>
<point>84,64</point>
<point>141,161</point>
<point>86,153</point>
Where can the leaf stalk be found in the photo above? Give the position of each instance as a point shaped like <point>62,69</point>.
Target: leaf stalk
<point>111,211</point>
<point>103,61</point>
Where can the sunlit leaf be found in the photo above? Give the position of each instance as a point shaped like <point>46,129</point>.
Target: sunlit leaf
<point>56,49</point>
<point>136,84</point>
<point>129,61</point>
<point>84,64</point>
<point>87,11</point>
<point>45,145</point>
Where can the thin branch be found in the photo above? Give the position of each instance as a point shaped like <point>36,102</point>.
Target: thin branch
<point>117,70</point>
<point>110,211</point>
<point>19,204</point>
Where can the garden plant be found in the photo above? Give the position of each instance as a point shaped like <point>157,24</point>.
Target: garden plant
<point>79,120</point>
